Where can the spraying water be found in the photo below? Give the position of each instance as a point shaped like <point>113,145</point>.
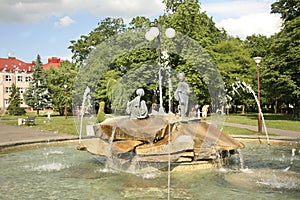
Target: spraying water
<point>111,139</point>
<point>244,86</point>
<point>86,92</point>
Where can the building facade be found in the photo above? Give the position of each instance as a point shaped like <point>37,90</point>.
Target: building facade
<point>15,71</point>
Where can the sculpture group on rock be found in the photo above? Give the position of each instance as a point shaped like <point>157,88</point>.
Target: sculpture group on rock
<point>158,138</point>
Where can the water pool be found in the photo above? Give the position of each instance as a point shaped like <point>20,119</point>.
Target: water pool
<point>62,172</point>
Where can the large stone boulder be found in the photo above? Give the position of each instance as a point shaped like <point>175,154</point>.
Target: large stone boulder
<point>160,138</point>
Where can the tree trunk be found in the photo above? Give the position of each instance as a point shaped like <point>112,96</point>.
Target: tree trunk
<point>243,109</point>
<point>275,106</point>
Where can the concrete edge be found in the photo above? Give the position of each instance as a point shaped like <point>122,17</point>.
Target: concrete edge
<point>40,142</point>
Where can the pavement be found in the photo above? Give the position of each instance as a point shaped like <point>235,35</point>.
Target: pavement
<point>17,135</point>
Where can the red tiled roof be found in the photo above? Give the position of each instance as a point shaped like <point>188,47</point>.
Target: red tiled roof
<point>52,62</point>
<point>13,64</point>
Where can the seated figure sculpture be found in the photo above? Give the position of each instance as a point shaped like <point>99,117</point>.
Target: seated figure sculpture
<point>137,108</point>
<point>182,95</point>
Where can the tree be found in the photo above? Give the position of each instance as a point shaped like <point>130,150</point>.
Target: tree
<point>15,102</point>
<point>37,95</point>
<point>288,9</point>
<point>187,20</point>
<point>83,46</point>
<point>257,45</point>
<point>281,74</point>
<point>139,22</point>
<point>190,21</point>
<point>60,81</point>
<point>235,64</point>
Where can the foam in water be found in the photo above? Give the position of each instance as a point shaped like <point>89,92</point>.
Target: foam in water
<point>48,167</point>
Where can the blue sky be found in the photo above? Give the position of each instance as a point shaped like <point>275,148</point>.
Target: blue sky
<point>31,27</point>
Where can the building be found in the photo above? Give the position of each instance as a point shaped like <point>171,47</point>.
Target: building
<point>13,70</point>
<point>52,62</point>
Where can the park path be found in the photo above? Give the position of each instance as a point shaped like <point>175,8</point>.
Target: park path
<point>17,135</point>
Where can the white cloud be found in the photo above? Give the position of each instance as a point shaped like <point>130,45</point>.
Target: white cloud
<point>261,23</point>
<point>29,11</point>
<point>64,21</point>
<point>231,9</point>
<point>244,17</point>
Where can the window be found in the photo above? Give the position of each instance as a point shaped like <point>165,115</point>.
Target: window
<point>7,89</point>
<point>27,78</point>
<point>6,102</point>
<point>21,101</point>
<point>20,78</point>
<point>8,77</point>
<point>21,90</point>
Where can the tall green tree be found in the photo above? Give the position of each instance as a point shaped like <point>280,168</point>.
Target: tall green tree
<point>235,64</point>
<point>14,107</point>
<point>37,95</point>
<point>105,29</point>
<point>190,21</point>
<point>257,45</point>
<point>281,74</point>
<point>60,84</point>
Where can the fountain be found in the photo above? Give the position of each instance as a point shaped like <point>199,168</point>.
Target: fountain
<point>147,144</point>
<point>154,140</point>
<point>246,86</point>
<point>61,172</point>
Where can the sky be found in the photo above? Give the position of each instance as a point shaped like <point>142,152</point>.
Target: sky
<point>32,27</point>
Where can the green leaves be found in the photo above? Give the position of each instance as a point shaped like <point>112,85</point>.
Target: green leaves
<point>37,95</point>
<point>60,84</point>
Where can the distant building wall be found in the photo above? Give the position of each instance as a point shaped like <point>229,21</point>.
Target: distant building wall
<point>18,72</point>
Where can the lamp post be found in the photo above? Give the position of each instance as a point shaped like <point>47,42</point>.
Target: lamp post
<point>257,61</point>
<point>66,114</point>
<point>155,32</point>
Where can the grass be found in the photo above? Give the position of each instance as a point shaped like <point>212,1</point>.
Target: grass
<point>238,131</point>
<point>279,121</point>
<point>57,124</point>
<point>61,125</point>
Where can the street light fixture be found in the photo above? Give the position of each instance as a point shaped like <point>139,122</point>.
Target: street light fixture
<point>66,114</point>
<point>151,34</point>
<point>257,61</point>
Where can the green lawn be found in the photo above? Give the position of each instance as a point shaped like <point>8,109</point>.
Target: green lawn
<point>56,124</point>
<point>279,121</point>
<point>238,131</point>
<point>61,125</point>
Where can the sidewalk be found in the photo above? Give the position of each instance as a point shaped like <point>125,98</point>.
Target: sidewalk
<point>18,135</point>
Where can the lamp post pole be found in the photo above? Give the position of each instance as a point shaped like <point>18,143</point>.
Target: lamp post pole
<point>257,61</point>
<point>150,35</point>
<point>66,111</point>
<point>161,106</point>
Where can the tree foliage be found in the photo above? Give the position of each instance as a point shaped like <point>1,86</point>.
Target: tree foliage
<point>14,107</point>
<point>60,81</point>
<point>83,46</point>
<point>281,73</point>
<point>110,62</point>
<point>37,95</point>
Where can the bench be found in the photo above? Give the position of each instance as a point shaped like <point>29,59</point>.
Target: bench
<point>29,121</point>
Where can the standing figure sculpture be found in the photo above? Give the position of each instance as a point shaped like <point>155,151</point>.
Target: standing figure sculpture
<point>137,108</point>
<point>182,95</point>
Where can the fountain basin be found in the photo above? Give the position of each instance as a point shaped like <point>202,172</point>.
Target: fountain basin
<point>61,172</point>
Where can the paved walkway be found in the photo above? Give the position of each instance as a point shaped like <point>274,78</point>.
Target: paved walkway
<point>17,135</point>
